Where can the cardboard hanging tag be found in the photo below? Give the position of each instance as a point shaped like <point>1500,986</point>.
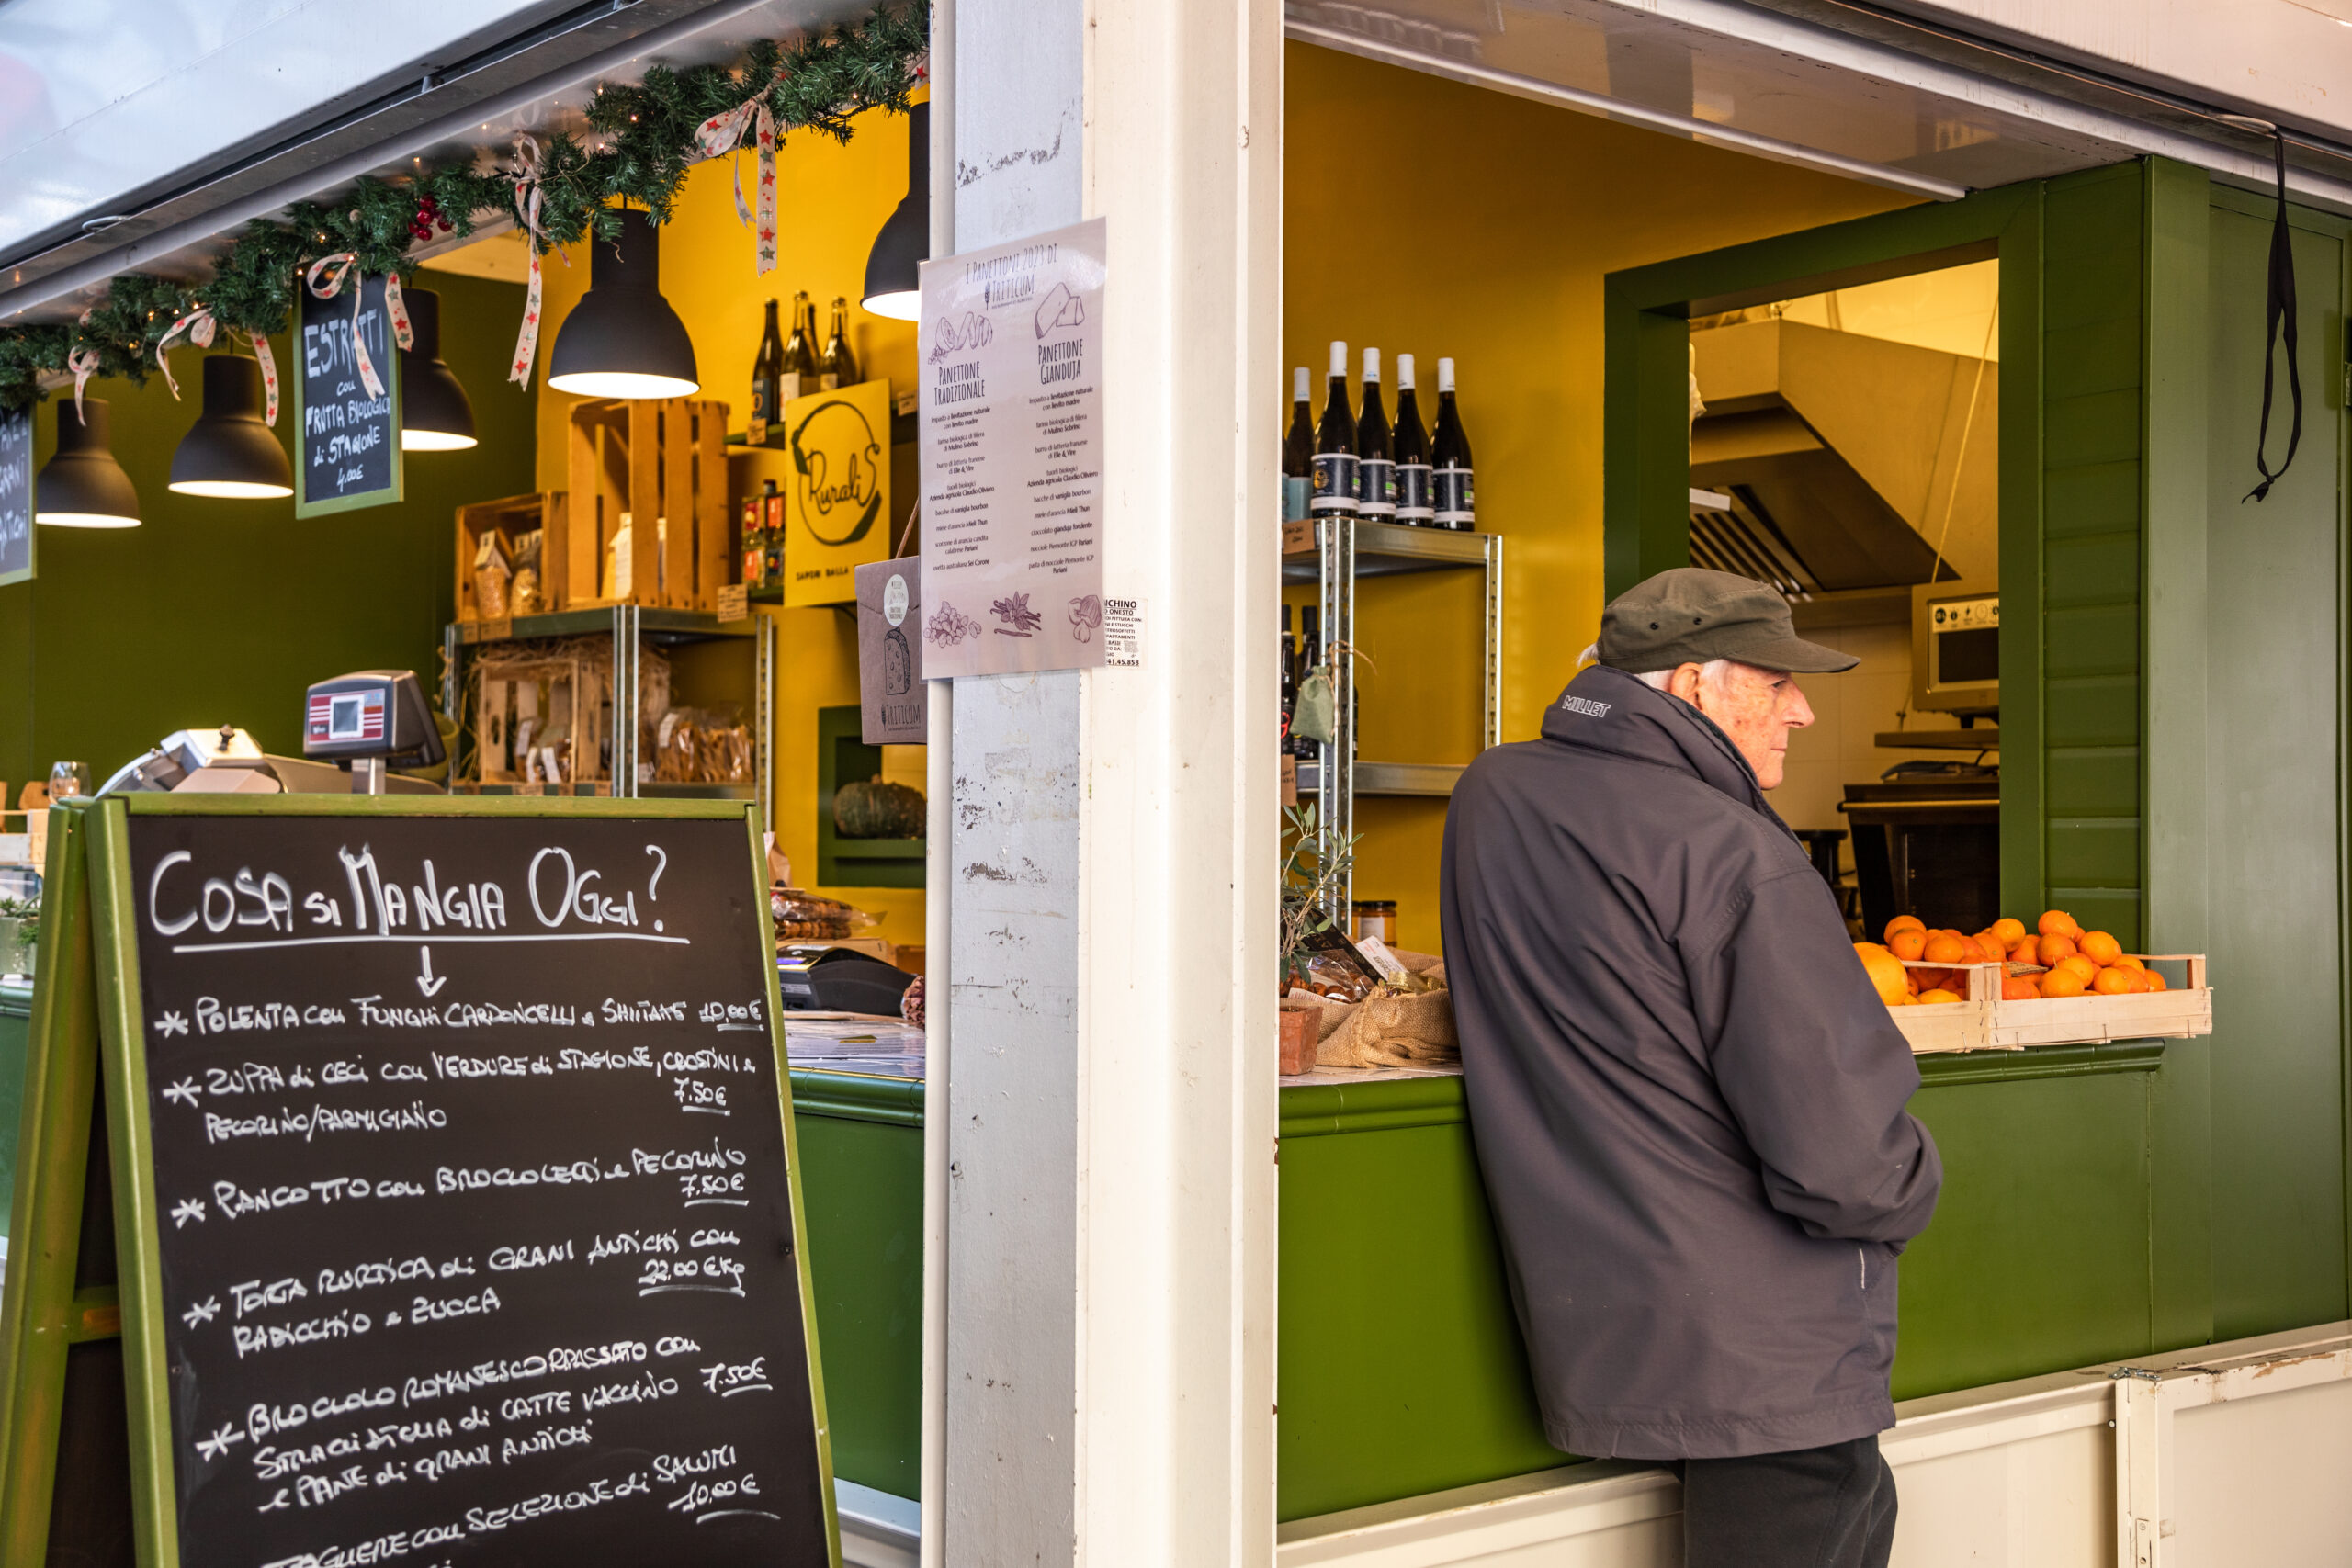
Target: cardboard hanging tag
<point>894,709</point>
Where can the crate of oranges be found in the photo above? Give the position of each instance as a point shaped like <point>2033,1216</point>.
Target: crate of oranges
<point>2006,988</point>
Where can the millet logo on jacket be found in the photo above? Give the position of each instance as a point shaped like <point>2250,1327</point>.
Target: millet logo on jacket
<point>1586,706</point>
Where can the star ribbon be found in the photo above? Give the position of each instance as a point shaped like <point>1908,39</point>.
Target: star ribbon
<point>200,328</point>
<point>268,379</point>
<point>335,269</point>
<point>83,363</point>
<point>721,134</point>
<point>524,174</point>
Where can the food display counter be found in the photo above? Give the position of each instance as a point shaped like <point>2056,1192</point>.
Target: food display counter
<point>2062,1233</point>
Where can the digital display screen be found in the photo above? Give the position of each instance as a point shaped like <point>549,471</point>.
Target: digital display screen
<point>1969,655</point>
<point>342,719</point>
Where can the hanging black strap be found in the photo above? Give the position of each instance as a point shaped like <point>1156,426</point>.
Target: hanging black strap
<point>2279,310</point>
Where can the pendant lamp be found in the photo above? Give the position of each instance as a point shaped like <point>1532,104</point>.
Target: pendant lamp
<point>436,415</point>
<point>83,486</point>
<point>891,288</point>
<point>622,340</point>
<point>229,452</point>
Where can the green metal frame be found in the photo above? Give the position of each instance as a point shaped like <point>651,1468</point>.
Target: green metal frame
<point>855,862</point>
<point>84,1012</point>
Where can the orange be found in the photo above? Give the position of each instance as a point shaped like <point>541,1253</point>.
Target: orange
<point>2142,980</point>
<point>1972,952</point>
<point>2114,983</point>
<point>2155,980</point>
<point>2051,949</point>
<point>2057,922</point>
<point>2008,932</point>
<point>1944,948</point>
<point>1902,923</point>
<point>1908,942</point>
<point>2100,947</point>
<point>1885,974</point>
<point>2026,950</point>
<point>2127,962</point>
<point>1929,999</point>
<point>2061,983</point>
<point>1911,981</point>
<point>2082,968</point>
<point>2019,988</point>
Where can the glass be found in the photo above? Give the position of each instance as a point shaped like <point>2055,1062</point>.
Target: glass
<point>68,778</point>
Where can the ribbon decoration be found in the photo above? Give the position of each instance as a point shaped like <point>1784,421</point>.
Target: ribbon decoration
<point>335,269</point>
<point>526,207</point>
<point>396,307</point>
<point>721,134</point>
<point>268,379</point>
<point>83,363</point>
<point>200,328</point>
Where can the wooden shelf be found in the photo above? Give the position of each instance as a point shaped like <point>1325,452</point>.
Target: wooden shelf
<point>1983,737</point>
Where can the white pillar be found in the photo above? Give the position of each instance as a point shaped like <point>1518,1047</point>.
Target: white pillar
<point>1108,1359</point>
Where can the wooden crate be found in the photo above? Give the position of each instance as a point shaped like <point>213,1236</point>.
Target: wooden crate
<point>578,693</point>
<point>511,517</point>
<point>1982,1021</point>
<point>662,461</point>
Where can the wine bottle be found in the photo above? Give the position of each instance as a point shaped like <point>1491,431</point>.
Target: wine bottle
<point>1289,682</point>
<point>1310,640</point>
<point>751,555</point>
<point>839,368</point>
<point>771,536</point>
<point>1298,443</point>
<point>799,374</point>
<point>1454,499</point>
<point>1411,444</point>
<point>1335,445</point>
<point>767,381</point>
<point>1376,461</point>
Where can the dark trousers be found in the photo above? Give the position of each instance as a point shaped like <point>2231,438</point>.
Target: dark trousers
<point>1827,1507</point>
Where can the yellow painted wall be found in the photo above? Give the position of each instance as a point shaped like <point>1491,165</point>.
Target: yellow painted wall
<point>831,201</point>
<point>1500,218</point>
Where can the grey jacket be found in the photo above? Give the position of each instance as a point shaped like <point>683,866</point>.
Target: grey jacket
<point>1687,1099</point>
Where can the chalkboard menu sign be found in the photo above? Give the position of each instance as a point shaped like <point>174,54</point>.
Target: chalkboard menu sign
<point>348,447</point>
<point>16,496</point>
<point>465,1189</point>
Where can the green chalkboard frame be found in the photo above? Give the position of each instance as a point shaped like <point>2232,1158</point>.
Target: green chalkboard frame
<point>390,495</point>
<point>86,1029</point>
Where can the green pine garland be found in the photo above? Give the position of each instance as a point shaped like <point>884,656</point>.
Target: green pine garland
<point>646,136</point>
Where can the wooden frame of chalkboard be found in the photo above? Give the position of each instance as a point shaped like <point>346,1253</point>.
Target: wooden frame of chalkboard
<point>90,1009</point>
<point>313,312</point>
<point>20,540</point>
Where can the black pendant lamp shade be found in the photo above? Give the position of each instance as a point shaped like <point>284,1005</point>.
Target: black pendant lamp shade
<point>229,452</point>
<point>434,414</point>
<point>83,486</point>
<point>891,289</point>
<point>622,340</point>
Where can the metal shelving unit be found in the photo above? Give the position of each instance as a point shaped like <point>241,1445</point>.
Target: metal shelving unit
<point>631,625</point>
<point>1344,551</point>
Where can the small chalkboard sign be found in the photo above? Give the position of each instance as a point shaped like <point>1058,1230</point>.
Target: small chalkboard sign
<point>347,452</point>
<point>457,1194</point>
<point>15,495</point>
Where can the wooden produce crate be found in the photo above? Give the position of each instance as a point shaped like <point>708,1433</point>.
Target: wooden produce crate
<point>1963,1025</point>
<point>511,517</point>
<point>663,461</point>
<point>2097,1020</point>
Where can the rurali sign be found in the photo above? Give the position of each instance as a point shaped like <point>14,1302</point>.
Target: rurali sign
<point>1009,358</point>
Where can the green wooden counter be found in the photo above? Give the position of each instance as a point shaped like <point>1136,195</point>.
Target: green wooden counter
<point>16,1024</point>
<point>2061,1241</point>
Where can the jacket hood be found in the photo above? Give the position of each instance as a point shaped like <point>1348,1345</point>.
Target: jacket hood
<point>1605,709</point>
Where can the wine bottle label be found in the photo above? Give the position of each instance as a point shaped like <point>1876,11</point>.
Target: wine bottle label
<point>1456,500</point>
<point>1376,487</point>
<point>829,382</point>
<point>1413,502</point>
<point>761,410</point>
<point>790,387</point>
<point>1335,483</point>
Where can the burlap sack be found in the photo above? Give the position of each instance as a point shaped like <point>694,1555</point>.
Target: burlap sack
<point>1391,1031</point>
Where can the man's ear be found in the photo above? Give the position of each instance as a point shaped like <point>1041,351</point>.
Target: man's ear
<point>1684,683</point>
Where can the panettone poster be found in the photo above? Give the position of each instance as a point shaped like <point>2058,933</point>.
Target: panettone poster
<point>837,516</point>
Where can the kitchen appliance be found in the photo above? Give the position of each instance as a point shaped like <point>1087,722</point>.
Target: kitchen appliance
<point>1956,647</point>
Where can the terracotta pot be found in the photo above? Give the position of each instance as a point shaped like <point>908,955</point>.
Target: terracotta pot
<point>1300,1026</point>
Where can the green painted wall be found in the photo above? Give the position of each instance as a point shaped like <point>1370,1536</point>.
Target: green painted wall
<point>222,611</point>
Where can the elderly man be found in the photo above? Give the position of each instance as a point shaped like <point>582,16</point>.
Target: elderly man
<point>1687,1100</point>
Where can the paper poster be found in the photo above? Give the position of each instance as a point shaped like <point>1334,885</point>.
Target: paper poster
<point>837,511</point>
<point>891,696</point>
<point>1011,375</point>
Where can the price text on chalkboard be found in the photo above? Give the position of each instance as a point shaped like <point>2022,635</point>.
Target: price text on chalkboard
<point>16,496</point>
<point>476,1240</point>
<point>349,450</point>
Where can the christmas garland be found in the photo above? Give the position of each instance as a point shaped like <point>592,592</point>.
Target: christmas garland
<point>646,138</point>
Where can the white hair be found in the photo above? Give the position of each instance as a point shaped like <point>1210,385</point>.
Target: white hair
<point>1712,672</point>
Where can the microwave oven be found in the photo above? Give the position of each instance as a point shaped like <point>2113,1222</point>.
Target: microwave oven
<point>1956,647</point>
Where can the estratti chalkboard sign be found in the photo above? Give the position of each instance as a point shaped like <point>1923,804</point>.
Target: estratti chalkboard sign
<point>347,444</point>
<point>15,495</point>
<point>459,1206</point>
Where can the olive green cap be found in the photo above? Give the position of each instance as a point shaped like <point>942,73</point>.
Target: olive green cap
<point>1690,616</point>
